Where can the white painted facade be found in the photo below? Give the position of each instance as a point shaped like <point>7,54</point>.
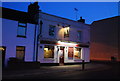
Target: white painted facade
<point>75,26</point>
<point>10,39</point>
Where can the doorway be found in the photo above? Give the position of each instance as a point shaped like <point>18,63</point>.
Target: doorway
<point>61,57</point>
<point>2,51</point>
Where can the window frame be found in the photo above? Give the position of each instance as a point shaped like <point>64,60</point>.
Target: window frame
<point>70,54</point>
<point>53,51</point>
<point>54,30</point>
<point>21,50</point>
<point>80,53</point>
<point>79,37</point>
<point>22,26</point>
<point>67,35</point>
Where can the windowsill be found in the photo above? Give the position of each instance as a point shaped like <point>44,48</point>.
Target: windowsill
<point>51,36</point>
<point>21,36</point>
<point>49,59</point>
<point>66,37</point>
<point>77,59</point>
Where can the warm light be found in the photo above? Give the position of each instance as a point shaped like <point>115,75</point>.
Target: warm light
<point>66,44</point>
<point>2,49</point>
<point>46,49</point>
<point>66,28</point>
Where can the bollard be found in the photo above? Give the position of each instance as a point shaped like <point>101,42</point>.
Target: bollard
<point>83,65</point>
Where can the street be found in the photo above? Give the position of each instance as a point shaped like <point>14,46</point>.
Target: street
<point>92,71</point>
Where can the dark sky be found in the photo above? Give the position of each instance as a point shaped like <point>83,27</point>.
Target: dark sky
<point>90,11</point>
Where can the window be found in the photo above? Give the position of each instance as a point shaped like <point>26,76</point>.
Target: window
<point>70,53</point>
<point>66,32</point>
<point>80,35</point>
<point>77,53</point>
<point>48,51</point>
<point>51,30</point>
<point>21,31</point>
<point>20,52</point>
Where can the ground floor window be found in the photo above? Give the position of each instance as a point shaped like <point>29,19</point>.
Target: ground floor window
<point>70,53</point>
<point>20,52</point>
<point>48,51</point>
<point>77,53</point>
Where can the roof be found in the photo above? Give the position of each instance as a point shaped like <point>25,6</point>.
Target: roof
<point>111,18</point>
<point>64,18</point>
<point>24,16</point>
<point>16,15</point>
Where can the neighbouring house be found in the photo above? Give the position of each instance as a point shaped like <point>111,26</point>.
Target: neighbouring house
<point>18,36</point>
<point>105,39</point>
<point>40,37</point>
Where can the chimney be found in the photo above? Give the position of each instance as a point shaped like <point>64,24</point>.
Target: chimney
<point>33,11</point>
<point>81,20</point>
<point>33,8</point>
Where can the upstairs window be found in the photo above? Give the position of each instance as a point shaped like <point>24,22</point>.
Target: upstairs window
<point>80,35</point>
<point>21,31</point>
<point>51,30</point>
<point>66,32</point>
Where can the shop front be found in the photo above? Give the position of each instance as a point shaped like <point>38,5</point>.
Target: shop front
<point>64,52</point>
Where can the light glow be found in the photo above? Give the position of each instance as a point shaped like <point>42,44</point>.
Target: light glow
<point>67,44</point>
<point>66,28</point>
<point>2,49</point>
<point>46,49</point>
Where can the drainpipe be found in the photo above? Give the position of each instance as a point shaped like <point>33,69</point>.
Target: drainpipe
<point>36,34</point>
<point>37,48</point>
<point>38,37</point>
<point>34,42</point>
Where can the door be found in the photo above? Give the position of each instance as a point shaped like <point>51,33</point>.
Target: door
<point>61,58</point>
<point>2,51</point>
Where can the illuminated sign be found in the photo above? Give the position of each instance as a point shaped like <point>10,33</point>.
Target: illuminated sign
<point>66,44</point>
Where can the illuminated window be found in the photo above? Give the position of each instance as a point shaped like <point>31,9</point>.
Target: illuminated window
<point>51,30</point>
<point>48,51</point>
<point>66,32</point>
<point>21,31</point>
<point>20,52</point>
<point>77,53</point>
<point>70,53</point>
<point>80,35</point>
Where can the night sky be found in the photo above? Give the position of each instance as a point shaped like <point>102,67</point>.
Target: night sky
<point>90,11</point>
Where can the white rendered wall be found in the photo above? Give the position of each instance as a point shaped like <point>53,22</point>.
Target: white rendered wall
<point>74,27</point>
<point>10,39</point>
<point>59,35</point>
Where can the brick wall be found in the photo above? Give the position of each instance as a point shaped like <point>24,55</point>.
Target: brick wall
<point>105,39</point>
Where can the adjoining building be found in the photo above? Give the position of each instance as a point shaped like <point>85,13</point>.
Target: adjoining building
<point>45,39</point>
<point>17,36</point>
<point>105,39</point>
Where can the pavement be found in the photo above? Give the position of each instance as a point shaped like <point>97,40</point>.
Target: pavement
<point>11,74</point>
